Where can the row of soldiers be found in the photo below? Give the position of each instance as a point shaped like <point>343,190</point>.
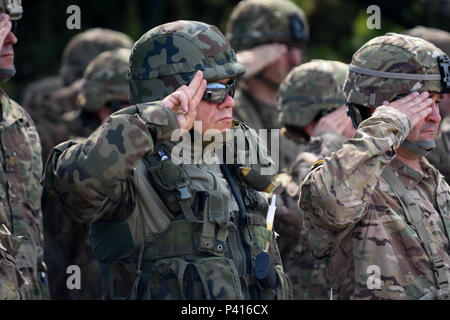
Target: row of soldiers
<point>304,101</point>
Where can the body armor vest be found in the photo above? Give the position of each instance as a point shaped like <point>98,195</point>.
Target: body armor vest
<point>202,248</point>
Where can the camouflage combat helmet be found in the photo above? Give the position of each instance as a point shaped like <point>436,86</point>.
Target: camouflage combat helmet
<point>390,65</point>
<point>310,90</point>
<point>167,57</point>
<point>105,79</point>
<point>439,38</point>
<point>85,46</point>
<point>257,22</point>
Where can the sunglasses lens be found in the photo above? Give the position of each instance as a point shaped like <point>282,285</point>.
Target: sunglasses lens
<point>217,92</point>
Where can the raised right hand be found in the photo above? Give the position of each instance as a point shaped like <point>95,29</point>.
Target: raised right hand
<point>257,58</point>
<point>5,27</point>
<point>185,99</point>
<point>416,106</point>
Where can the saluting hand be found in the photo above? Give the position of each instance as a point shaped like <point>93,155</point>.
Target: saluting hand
<point>5,27</point>
<point>416,106</point>
<point>185,99</point>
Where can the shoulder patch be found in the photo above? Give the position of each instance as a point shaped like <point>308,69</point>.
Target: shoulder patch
<point>316,164</point>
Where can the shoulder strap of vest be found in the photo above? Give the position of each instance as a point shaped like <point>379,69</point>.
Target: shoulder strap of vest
<point>415,215</point>
<point>184,196</point>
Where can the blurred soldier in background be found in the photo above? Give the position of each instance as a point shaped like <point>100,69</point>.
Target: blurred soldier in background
<point>21,237</point>
<point>306,99</point>
<point>269,38</point>
<point>47,107</point>
<point>441,155</point>
<point>104,89</point>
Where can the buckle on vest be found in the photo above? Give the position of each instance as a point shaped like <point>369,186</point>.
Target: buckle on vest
<point>437,264</point>
<point>184,192</point>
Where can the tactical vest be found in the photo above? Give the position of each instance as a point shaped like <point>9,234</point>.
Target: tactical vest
<point>203,248</point>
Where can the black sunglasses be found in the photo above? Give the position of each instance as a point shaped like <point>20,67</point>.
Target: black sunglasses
<point>216,92</point>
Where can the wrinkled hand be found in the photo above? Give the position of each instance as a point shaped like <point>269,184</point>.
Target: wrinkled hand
<point>337,122</point>
<point>416,106</point>
<point>184,101</point>
<point>257,58</point>
<point>5,27</point>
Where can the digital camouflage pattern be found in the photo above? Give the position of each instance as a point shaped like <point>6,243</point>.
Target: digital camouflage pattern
<point>85,46</point>
<point>20,195</point>
<point>357,223</point>
<point>440,38</point>
<point>311,90</point>
<point>105,79</point>
<point>257,22</point>
<point>308,275</point>
<point>167,57</point>
<point>391,53</point>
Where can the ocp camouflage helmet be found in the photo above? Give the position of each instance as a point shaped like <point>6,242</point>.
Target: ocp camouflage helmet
<point>438,37</point>
<point>105,79</point>
<point>257,22</point>
<point>390,65</point>
<point>85,46</point>
<point>310,90</point>
<point>168,56</point>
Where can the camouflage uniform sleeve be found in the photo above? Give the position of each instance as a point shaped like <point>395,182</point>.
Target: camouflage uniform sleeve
<point>335,193</point>
<point>94,177</point>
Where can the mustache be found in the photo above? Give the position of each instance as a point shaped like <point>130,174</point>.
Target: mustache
<point>430,126</point>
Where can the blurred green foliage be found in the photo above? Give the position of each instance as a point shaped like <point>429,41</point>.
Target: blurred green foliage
<point>338,28</point>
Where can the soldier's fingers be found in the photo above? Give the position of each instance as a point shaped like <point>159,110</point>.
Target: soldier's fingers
<point>419,98</point>
<point>198,96</point>
<point>409,97</point>
<point>195,83</point>
<point>424,112</point>
<point>425,103</point>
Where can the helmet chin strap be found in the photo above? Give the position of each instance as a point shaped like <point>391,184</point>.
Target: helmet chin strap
<point>6,74</point>
<point>420,148</point>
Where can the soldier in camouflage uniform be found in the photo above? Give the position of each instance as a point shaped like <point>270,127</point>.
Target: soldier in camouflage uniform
<point>439,157</point>
<point>308,93</point>
<point>269,37</point>
<point>22,268</point>
<point>379,212</point>
<point>163,230</point>
<point>47,106</point>
<point>104,90</point>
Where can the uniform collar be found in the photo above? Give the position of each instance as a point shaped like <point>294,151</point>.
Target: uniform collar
<point>410,177</point>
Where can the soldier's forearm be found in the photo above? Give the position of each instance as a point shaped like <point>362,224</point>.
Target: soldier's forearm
<point>94,174</point>
<point>341,187</point>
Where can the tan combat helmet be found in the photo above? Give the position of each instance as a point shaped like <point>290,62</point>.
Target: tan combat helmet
<point>390,66</point>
